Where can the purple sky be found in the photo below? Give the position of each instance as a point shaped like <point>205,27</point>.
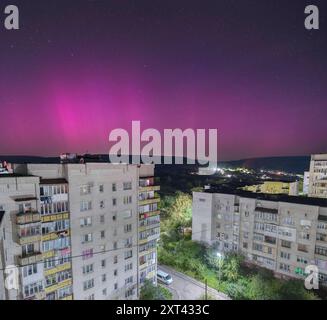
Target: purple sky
<point>249,68</point>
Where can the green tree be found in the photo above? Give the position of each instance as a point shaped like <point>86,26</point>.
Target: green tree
<point>151,292</point>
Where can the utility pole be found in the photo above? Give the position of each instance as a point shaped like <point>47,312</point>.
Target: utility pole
<point>206,290</point>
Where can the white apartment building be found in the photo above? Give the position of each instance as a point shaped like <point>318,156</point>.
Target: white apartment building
<point>79,231</point>
<point>306,180</point>
<point>318,176</point>
<point>279,232</point>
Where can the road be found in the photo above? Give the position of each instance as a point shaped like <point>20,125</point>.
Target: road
<point>187,288</point>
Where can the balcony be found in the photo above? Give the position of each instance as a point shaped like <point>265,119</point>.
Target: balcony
<point>28,217</point>
<point>59,268</point>
<point>146,224</point>
<point>149,182</point>
<point>68,297</point>
<point>155,199</point>
<point>149,188</point>
<point>149,214</point>
<point>55,235</point>
<point>55,217</point>
<point>266,210</point>
<point>30,259</point>
<point>58,286</point>
<point>29,239</point>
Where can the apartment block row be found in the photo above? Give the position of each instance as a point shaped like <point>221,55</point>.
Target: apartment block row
<point>78,231</point>
<point>315,180</point>
<point>278,232</point>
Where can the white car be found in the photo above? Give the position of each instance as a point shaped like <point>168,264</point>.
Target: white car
<point>164,277</point>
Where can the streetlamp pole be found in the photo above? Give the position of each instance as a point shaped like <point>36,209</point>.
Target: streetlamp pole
<point>206,290</point>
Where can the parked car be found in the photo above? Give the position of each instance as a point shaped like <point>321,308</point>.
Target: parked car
<point>164,277</point>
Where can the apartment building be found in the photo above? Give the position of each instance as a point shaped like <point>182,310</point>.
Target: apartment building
<point>278,232</point>
<point>79,231</point>
<point>318,176</point>
<point>275,187</point>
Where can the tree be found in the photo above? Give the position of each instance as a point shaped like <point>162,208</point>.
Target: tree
<point>231,267</point>
<point>151,292</point>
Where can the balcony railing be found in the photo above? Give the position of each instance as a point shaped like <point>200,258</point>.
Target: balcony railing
<point>28,239</point>
<point>30,259</point>
<point>28,217</point>
<point>155,199</point>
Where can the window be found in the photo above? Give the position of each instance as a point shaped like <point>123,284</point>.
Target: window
<point>286,244</point>
<point>115,259</point>
<point>322,226</point>
<point>257,247</point>
<point>285,255</point>
<point>128,254</point>
<point>102,219</point>
<point>114,201</point>
<point>28,249</point>
<point>88,284</point>
<point>127,228</point>
<point>114,187</point>
<point>129,280</point>
<point>88,269</point>
<point>321,251</point>
<point>127,199</point>
<point>101,188</point>
<point>115,245</point>
<point>104,278</point>
<point>302,260</point>
<point>302,247</point>
<point>127,185</point>
<point>104,292</point>
<point>115,272</point>
<point>129,293</point>
<point>102,204</point>
<point>86,189</point>
<point>116,286</point>
<point>128,242</point>
<point>85,205</point>
<point>103,263</point>
<point>33,289</point>
<point>128,267</point>
<point>87,254</point>
<point>102,234</point>
<point>85,222</point>
<point>29,270</point>
<point>304,235</point>
<point>284,267</point>
<point>114,216</point>
<point>127,214</point>
<point>245,245</point>
<point>87,238</point>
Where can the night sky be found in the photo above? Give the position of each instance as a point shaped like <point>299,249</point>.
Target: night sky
<point>78,69</point>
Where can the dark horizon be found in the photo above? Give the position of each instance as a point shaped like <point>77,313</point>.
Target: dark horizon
<point>75,71</point>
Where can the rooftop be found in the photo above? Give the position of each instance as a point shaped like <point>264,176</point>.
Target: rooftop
<point>53,181</point>
<point>14,175</point>
<point>270,197</point>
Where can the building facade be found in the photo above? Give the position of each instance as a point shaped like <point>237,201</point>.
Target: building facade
<point>79,231</point>
<point>280,233</point>
<point>318,176</point>
<point>275,187</point>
